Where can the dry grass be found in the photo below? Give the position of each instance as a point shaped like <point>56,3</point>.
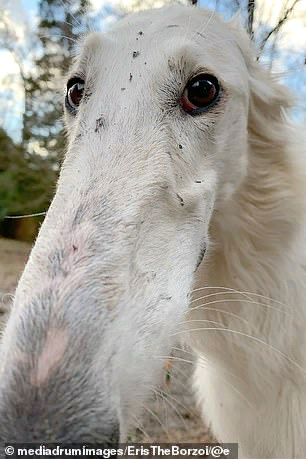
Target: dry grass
<point>170,415</point>
<point>13,256</point>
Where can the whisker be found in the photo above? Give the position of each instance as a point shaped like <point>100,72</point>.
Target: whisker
<point>27,215</point>
<point>197,363</point>
<point>222,312</point>
<point>245,293</point>
<point>139,426</point>
<point>190,362</point>
<point>166,397</point>
<point>231,300</point>
<point>181,373</point>
<point>246,335</point>
<point>175,348</point>
<point>154,415</point>
<point>165,412</point>
<point>204,320</point>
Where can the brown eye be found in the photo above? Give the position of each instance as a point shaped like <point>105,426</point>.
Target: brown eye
<point>200,93</point>
<point>74,94</point>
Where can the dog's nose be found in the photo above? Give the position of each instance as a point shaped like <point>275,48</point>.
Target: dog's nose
<point>84,448</point>
<point>113,439</point>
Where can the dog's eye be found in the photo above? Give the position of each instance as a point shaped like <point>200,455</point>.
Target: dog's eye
<point>200,94</point>
<point>74,94</point>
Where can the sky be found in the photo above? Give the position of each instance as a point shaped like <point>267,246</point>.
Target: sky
<point>22,15</point>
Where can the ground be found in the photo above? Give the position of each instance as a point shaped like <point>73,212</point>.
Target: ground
<point>171,415</point>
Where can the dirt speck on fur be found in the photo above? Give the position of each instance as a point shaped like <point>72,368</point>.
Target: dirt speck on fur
<point>171,414</point>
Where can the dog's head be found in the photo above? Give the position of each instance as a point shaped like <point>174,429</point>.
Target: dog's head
<point>159,112</point>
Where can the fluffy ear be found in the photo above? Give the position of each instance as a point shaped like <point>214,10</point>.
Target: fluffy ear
<point>276,183</point>
<point>269,103</point>
<point>269,99</point>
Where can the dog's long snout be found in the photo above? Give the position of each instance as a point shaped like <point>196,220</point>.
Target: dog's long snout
<point>75,445</point>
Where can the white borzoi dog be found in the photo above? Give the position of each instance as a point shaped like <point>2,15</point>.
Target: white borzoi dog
<point>179,146</point>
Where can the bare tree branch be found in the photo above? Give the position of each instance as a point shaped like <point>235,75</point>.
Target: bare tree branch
<point>251,9</point>
<point>287,12</point>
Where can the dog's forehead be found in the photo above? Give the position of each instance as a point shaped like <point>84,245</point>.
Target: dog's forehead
<point>155,29</point>
<point>147,43</point>
<point>167,21</point>
<point>165,31</point>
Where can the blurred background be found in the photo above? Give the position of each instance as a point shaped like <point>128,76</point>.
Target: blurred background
<point>37,41</point>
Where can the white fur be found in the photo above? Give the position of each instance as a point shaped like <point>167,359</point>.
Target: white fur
<point>128,247</point>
